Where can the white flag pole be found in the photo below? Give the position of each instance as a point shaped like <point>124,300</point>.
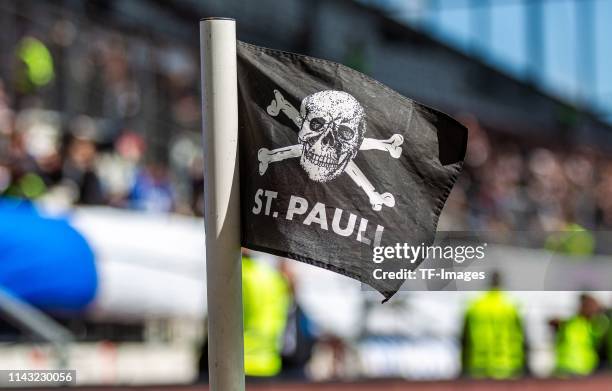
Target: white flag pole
<point>222,204</point>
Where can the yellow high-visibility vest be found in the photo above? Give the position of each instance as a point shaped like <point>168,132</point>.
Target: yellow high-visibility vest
<point>576,347</point>
<point>493,338</point>
<point>266,300</point>
<point>574,240</point>
<point>38,61</point>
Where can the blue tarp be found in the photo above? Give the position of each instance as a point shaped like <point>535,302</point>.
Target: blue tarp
<point>44,260</point>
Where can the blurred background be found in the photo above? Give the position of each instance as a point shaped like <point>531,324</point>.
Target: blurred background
<point>101,174</point>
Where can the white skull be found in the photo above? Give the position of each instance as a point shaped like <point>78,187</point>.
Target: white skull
<point>333,127</point>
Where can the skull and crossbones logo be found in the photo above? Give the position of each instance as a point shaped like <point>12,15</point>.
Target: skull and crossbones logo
<point>332,126</point>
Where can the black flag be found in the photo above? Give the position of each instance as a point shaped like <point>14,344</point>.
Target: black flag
<point>334,164</point>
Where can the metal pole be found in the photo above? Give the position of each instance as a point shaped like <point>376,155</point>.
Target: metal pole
<point>535,42</point>
<point>586,70</point>
<point>222,204</point>
<point>26,316</point>
<point>480,27</point>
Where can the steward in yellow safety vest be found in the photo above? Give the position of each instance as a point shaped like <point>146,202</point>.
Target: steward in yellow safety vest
<point>607,342</point>
<point>266,300</point>
<point>493,341</point>
<point>573,240</point>
<point>578,340</point>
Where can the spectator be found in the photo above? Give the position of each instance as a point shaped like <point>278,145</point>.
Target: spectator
<point>79,167</point>
<point>152,190</point>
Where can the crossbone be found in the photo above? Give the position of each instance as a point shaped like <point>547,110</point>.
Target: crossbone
<point>392,145</point>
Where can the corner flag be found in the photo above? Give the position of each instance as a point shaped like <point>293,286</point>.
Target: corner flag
<point>334,163</point>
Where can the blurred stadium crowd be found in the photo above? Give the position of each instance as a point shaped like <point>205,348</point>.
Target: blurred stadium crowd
<point>89,117</point>
<point>512,184</point>
<point>99,156</point>
<point>104,148</point>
